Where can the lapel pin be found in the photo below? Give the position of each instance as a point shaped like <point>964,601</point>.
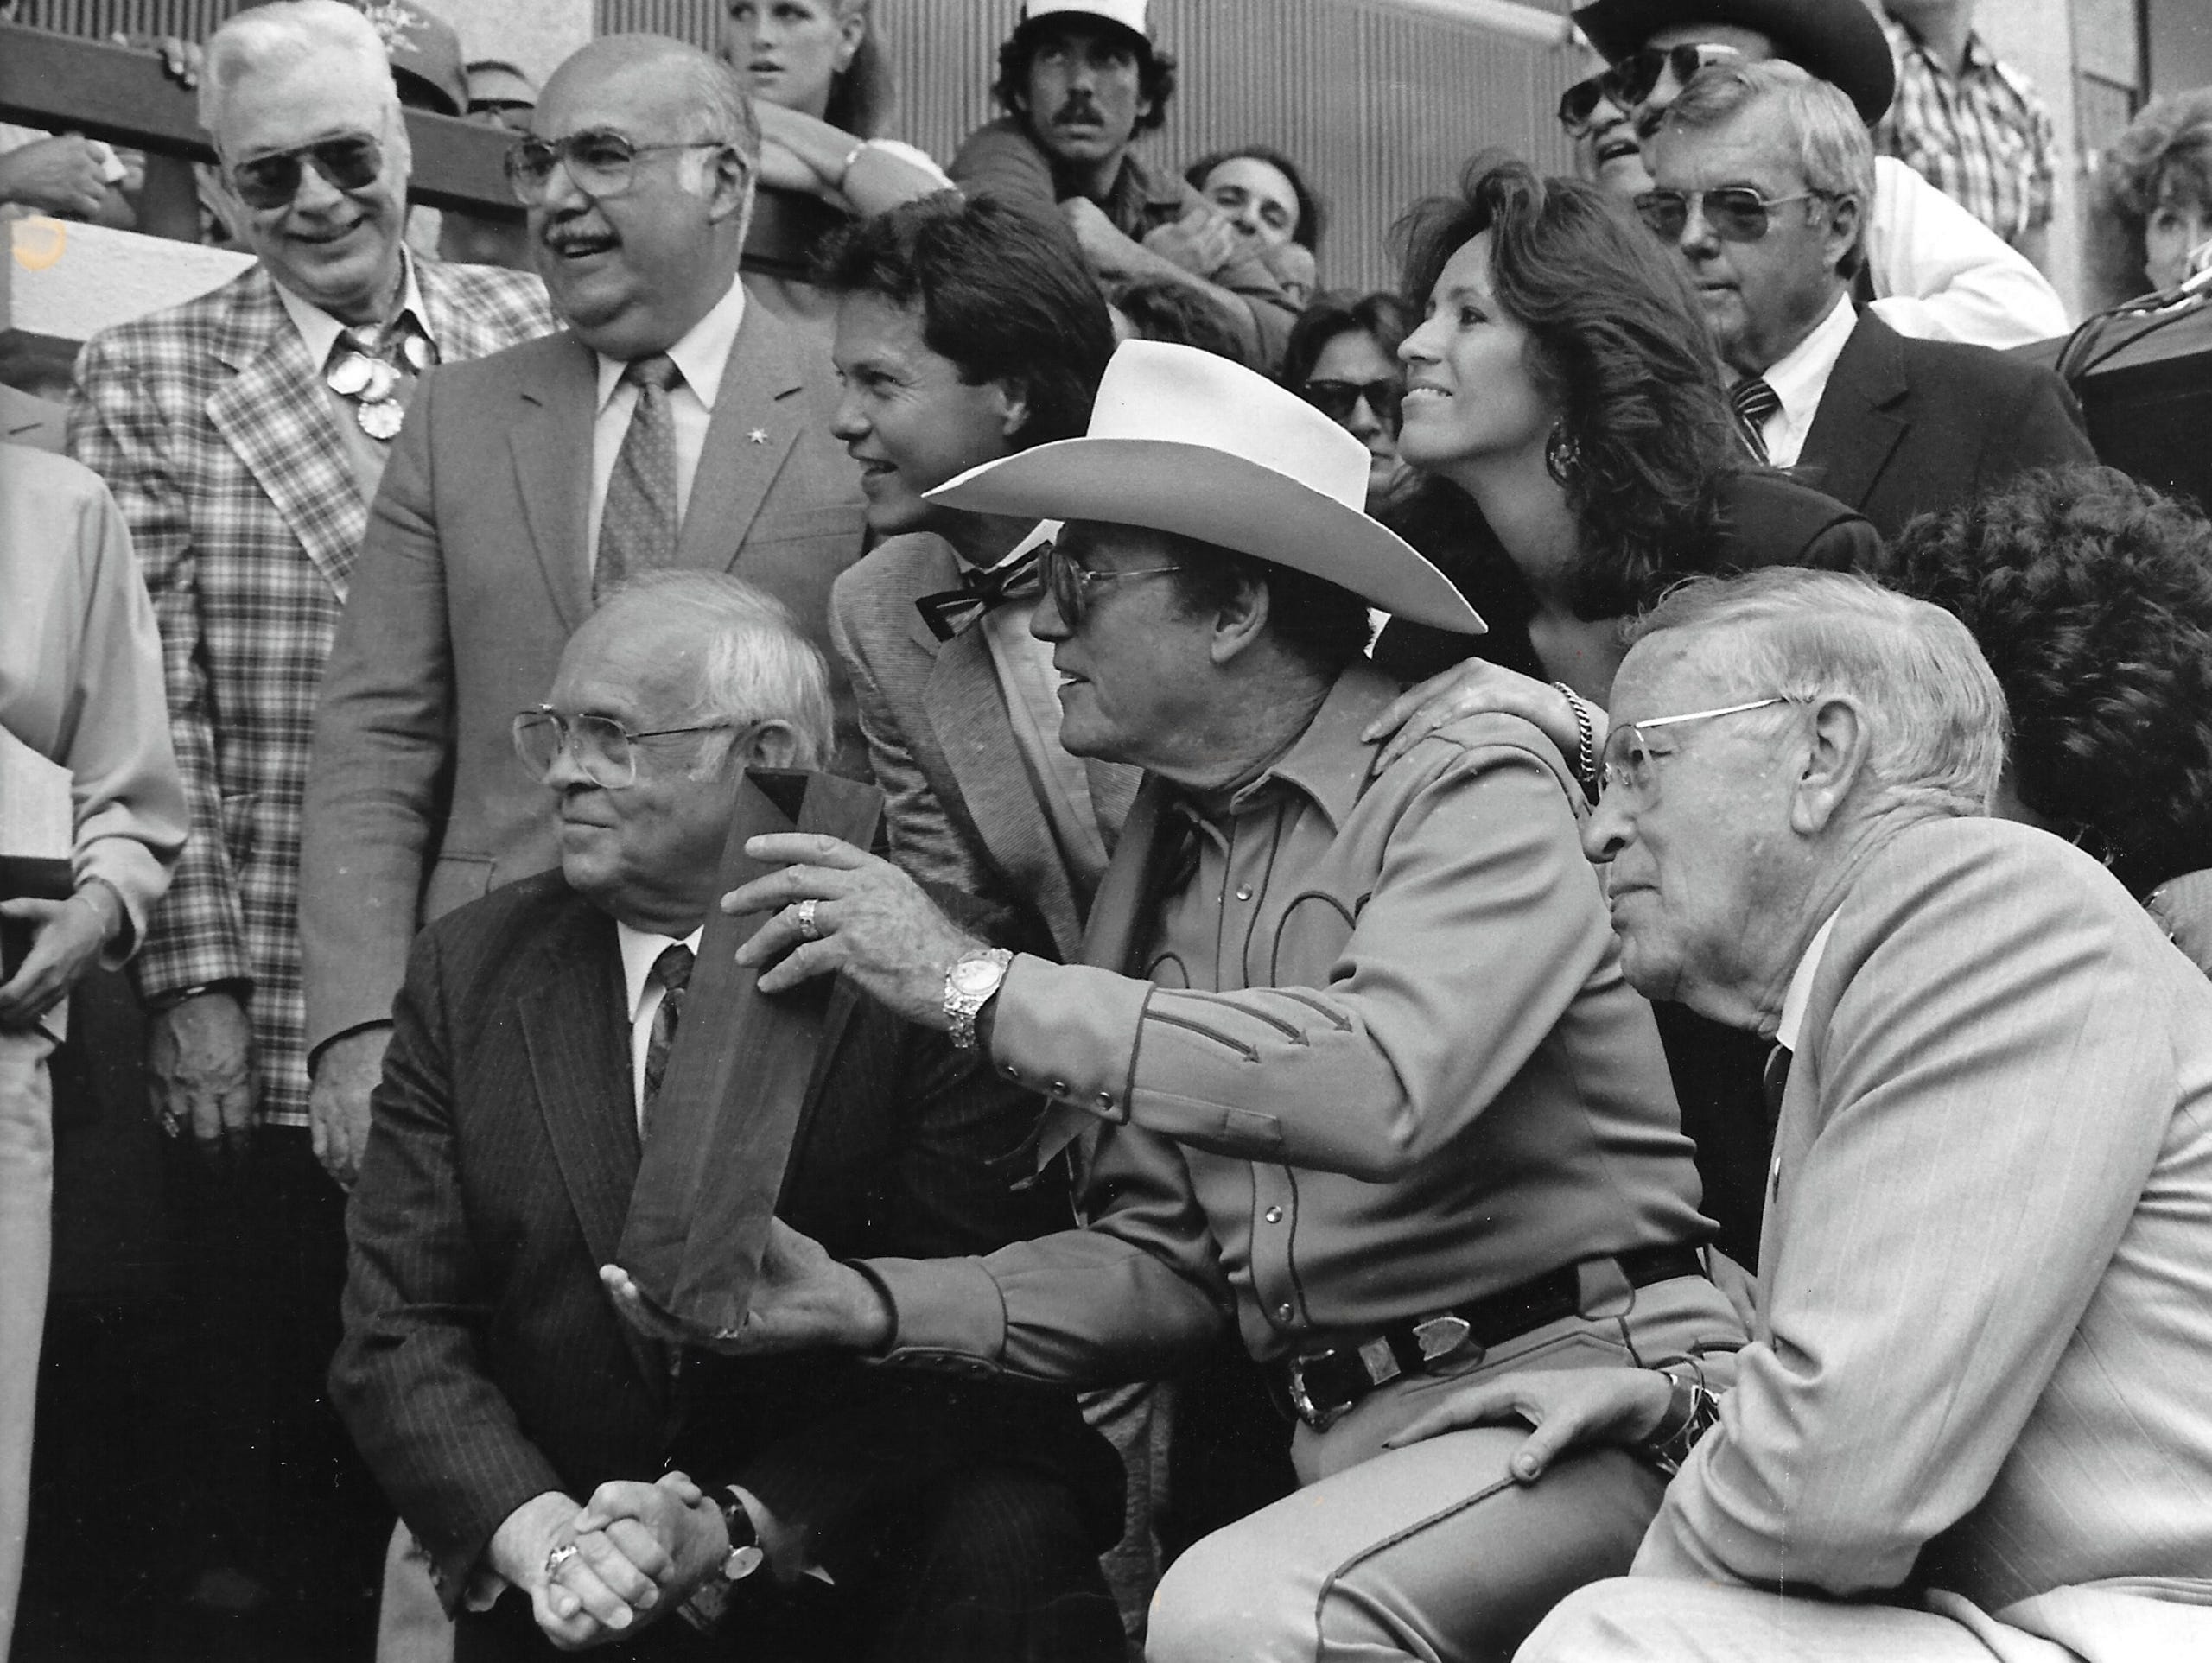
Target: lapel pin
<point>759,435</point>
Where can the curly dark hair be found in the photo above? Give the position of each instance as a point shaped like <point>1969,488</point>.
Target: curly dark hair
<point>1312,211</point>
<point>2091,595</point>
<point>1155,71</point>
<point>2167,148</point>
<point>1616,337</point>
<point>1383,315</point>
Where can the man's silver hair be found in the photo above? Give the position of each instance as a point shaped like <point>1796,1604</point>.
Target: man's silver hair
<point>1936,714</point>
<point>1815,124</point>
<point>755,666</point>
<point>272,39</point>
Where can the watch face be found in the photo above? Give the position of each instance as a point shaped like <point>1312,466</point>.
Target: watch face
<point>743,1561</point>
<point>975,976</point>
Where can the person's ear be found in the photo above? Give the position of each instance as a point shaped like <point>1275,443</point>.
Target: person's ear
<point>851,30</point>
<point>729,184</point>
<point>1013,406</point>
<point>1842,232</point>
<point>1837,744</point>
<point>772,744</point>
<point>1239,621</point>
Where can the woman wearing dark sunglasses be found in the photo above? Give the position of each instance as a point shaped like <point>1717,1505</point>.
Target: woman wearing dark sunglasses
<point>1564,415</point>
<point>1343,360</point>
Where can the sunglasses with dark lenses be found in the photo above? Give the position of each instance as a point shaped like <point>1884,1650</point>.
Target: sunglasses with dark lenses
<point>271,181</point>
<point>1070,583</point>
<point>602,163</point>
<point>1736,213</point>
<point>1579,102</point>
<point>1631,81</point>
<point>1337,399</point>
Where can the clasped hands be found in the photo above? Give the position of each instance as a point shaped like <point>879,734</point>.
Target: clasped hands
<point>633,1554</point>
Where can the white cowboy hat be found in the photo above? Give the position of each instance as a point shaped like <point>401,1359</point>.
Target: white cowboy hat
<point>1188,441</point>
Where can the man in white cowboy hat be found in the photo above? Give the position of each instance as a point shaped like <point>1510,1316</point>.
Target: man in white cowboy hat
<point>1350,1054</point>
<point>1080,81</point>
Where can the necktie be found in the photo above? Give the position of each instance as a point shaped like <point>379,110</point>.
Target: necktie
<point>950,610</point>
<point>1774,1080</point>
<point>672,969</point>
<point>1753,400</point>
<point>637,524</point>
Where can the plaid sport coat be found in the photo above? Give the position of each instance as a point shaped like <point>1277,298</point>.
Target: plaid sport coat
<point>212,426</point>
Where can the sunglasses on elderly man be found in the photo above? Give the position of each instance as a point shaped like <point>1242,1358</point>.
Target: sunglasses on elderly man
<point>1070,583</point>
<point>1736,213</point>
<point>1337,399</point>
<point>350,163</point>
<point>600,162</point>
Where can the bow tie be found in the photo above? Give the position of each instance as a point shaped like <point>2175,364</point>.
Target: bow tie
<point>950,610</point>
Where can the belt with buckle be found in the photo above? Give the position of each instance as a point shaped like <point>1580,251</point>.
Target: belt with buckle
<point>1321,1385</point>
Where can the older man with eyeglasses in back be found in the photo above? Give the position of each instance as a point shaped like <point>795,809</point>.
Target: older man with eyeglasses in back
<point>243,434</point>
<point>1762,176</point>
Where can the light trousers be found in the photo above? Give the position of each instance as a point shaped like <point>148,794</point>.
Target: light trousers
<point>1432,1551</point>
<point>26,1257</point>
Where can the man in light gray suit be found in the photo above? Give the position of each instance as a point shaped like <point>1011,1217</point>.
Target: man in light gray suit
<point>966,332</point>
<point>1971,1422</point>
<point>672,424</point>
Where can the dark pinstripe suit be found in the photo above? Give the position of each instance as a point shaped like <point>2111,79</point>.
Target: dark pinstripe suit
<point>483,1366</point>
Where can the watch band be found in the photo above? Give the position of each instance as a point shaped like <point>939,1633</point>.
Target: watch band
<point>1691,1412</point>
<point>746,1554</point>
<point>969,984</point>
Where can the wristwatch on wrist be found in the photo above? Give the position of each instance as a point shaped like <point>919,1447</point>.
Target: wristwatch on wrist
<point>968,986</point>
<point>1691,1412</point>
<point>746,1554</point>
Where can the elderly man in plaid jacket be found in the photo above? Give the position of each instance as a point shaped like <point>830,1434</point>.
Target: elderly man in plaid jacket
<point>244,435</point>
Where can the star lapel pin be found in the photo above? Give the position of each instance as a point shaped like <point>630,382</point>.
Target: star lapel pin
<point>759,435</point>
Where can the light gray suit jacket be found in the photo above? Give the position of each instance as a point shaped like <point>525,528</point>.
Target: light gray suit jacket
<point>473,577</point>
<point>962,809</point>
<point>1986,1292</point>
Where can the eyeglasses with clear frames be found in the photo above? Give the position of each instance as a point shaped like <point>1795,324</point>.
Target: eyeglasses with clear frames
<point>601,744</point>
<point>1070,584</point>
<point>602,162</point>
<point>1629,763</point>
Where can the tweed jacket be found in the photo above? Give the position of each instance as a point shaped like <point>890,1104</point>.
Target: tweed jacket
<point>962,811</point>
<point>213,429</point>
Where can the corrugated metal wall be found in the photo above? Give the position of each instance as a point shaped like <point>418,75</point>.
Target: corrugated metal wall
<point>1382,103</point>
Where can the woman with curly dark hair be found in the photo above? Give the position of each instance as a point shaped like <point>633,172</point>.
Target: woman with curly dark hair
<point>2151,203</point>
<point>1563,403</point>
<point>2091,595</point>
<point>1563,399</point>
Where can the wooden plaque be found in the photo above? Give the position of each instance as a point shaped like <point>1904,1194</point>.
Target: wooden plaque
<point>738,1074</point>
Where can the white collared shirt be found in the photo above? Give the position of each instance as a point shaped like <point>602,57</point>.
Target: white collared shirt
<point>643,992</point>
<point>1799,379</point>
<point>1800,991</point>
<point>321,330</point>
<point>700,355</point>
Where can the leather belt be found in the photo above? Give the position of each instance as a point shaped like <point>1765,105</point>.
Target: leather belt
<point>1319,1386</point>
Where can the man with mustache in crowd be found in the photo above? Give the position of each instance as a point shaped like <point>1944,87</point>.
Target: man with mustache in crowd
<point>243,434</point>
<point>1080,81</point>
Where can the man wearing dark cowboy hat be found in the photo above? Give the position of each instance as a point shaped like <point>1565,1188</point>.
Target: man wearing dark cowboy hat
<point>1349,1052</point>
<point>1080,81</point>
<point>1933,270</point>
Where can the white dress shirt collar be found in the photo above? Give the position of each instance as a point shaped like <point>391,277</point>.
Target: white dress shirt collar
<point>321,330</point>
<point>1801,985</point>
<point>1800,376</point>
<point>701,354</point>
<point>640,951</point>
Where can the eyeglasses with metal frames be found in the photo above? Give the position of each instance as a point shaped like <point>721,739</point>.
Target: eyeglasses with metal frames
<point>1070,584</point>
<point>600,162</point>
<point>601,744</point>
<point>1627,760</point>
<point>351,162</point>
<point>1736,213</point>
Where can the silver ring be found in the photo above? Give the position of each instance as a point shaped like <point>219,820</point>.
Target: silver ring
<point>808,929</point>
<point>559,1557</point>
<point>171,1124</point>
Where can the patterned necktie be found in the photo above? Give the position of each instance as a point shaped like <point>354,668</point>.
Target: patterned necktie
<point>950,610</point>
<point>672,969</point>
<point>637,525</point>
<point>1773,1082</point>
<point>1753,400</point>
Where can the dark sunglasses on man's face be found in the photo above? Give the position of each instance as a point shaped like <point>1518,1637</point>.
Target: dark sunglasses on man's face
<point>271,181</point>
<point>1337,399</point>
<point>1631,81</point>
<point>1736,213</point>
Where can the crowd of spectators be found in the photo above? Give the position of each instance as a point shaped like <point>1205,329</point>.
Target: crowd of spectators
<point>1255,1192</point>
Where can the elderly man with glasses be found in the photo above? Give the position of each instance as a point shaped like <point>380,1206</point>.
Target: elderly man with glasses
<point>1761,177</point>
<point>672,423</point>
<point>1932,268</point>
<point>492,1388</point>
<point>1971,1422</point>
<point>244,435</point>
